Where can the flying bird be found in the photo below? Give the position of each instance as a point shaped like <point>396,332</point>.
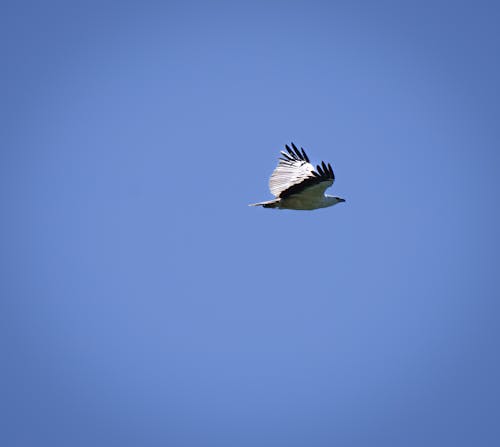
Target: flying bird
<point>297,185</point>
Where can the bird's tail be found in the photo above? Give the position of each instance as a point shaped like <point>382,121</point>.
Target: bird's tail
<point>270,204</point>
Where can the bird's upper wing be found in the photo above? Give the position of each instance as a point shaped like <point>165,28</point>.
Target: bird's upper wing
<point>294,173</point>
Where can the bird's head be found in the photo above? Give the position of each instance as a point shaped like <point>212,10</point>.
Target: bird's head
<point>332,200</point>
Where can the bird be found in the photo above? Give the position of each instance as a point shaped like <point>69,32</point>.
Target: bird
<point>297,185</point>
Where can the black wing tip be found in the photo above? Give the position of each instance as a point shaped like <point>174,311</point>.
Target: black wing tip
<point>306,158</point>
<point>299,153</point>
<point>331,171</point>
<point>290,151</point>
<point>286,157</point>
<point>296,153</point>
<point>325,170</point>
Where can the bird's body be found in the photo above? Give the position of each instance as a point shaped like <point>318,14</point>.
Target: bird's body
<point>297,185</point>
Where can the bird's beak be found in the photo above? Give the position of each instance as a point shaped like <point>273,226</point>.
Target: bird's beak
<point>341,200</point>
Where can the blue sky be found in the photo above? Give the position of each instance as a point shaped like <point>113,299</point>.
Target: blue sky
<point>145,304</point>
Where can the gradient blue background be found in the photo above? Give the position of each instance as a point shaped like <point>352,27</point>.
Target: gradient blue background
<point>143,303</point>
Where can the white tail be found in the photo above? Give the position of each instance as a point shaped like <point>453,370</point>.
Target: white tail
<point>270,204</point>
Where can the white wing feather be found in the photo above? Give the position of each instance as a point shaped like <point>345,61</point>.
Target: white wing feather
<point>289,173</point>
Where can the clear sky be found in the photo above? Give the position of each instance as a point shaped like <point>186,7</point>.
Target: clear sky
<point>145,304</point>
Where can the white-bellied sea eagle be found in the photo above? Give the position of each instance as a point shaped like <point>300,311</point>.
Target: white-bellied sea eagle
<point>297,185</point>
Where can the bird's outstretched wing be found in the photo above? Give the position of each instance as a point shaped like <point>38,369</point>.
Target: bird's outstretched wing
<point>295,173</point>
